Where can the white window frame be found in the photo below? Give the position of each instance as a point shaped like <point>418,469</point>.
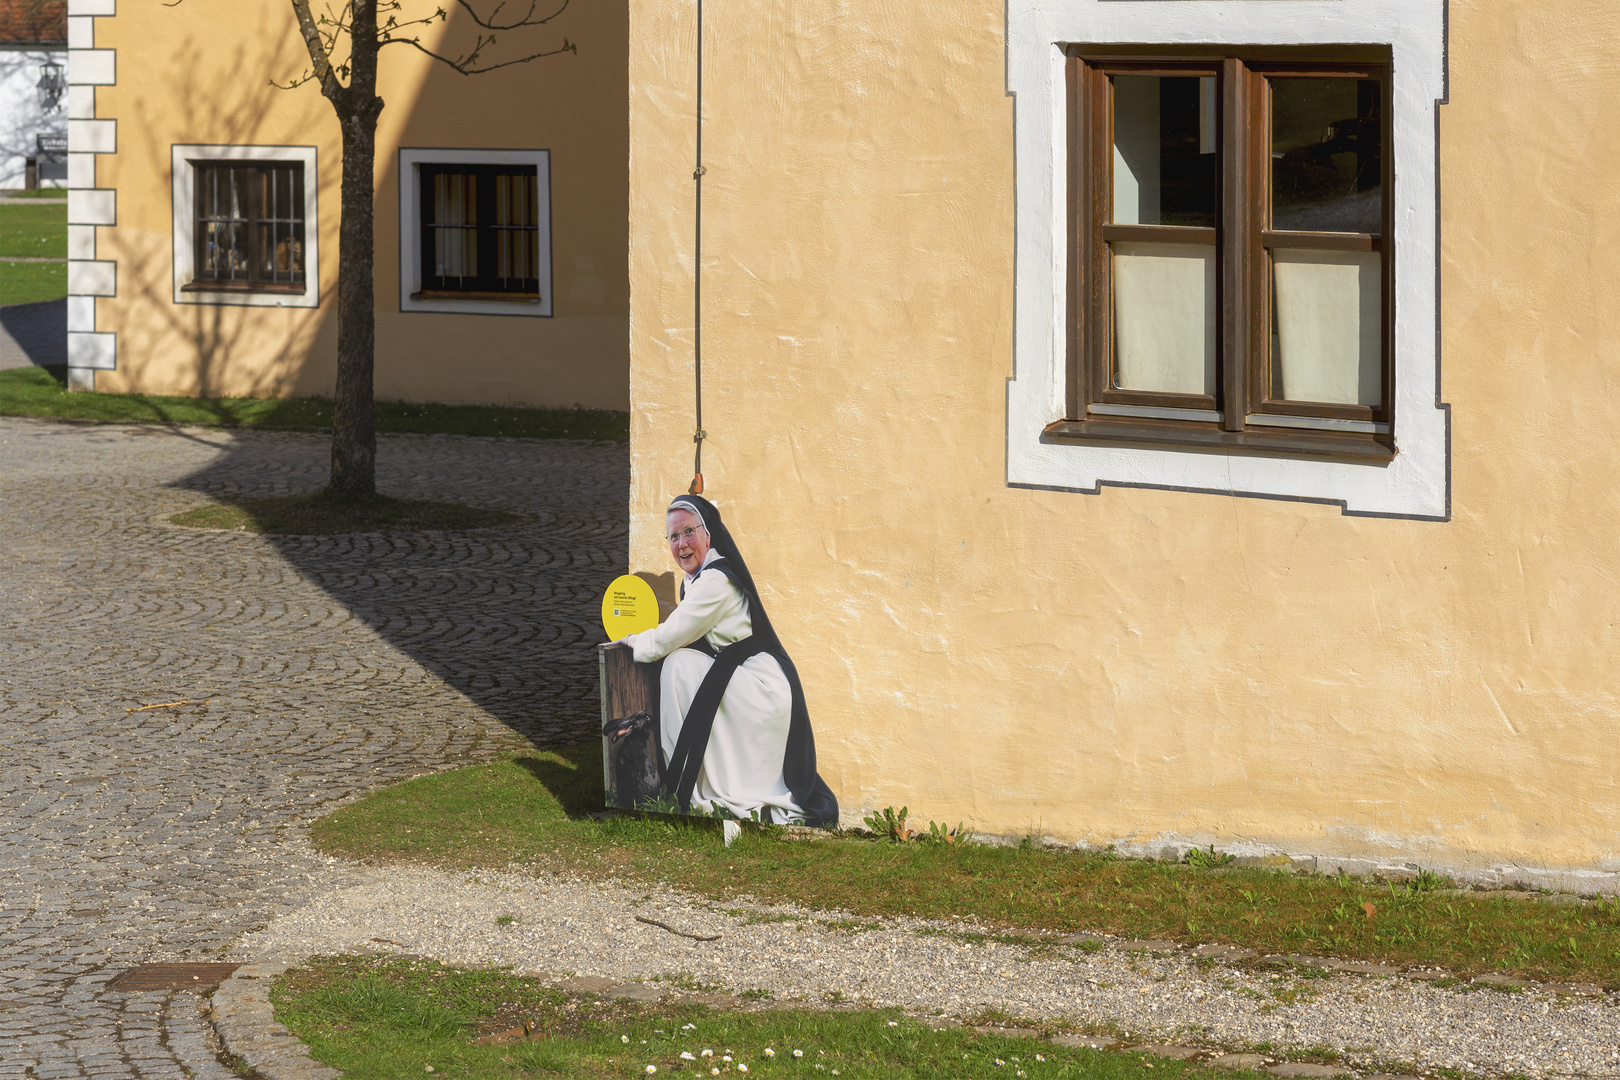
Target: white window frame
<point>410,230</point>
<point>183,186</point>
<point>1416,483</point>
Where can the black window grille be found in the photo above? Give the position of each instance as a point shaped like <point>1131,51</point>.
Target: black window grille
<point>481,231</point>
<point>250,226</point>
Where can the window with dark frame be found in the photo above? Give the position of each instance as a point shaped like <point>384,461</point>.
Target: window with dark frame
<point>480,232</point>
<point>249,229</point>
<point>1230,271</point>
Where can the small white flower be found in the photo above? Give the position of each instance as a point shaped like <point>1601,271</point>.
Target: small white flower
<point>1020,1072</point>
<point>688,1027</point>
<point>769,1052</point>
<point>726,1058</point>
<point>714,1072</point>
<point>1040,1057</point>
<point>624,1038</point>
<point>686,1055</point>
<point>999,1062</point>
<point>742,1068</point>
<point>707,1053</point>
<point>894,1023</point>
<point>798,1053</point>
<point>652,1069</point>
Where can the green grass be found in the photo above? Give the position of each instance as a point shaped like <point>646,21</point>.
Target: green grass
<point>378,1018</point>
<point>33,231</point>
<point>29,283</point>
<point>42,392</point>
<point>529,810</point>
<point>37,193</point>
<point>316,514</point>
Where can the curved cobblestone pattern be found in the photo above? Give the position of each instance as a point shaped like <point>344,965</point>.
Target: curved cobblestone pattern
<point>327,665</point>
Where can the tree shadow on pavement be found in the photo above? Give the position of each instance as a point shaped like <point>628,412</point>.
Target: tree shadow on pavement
<point>508,617</point>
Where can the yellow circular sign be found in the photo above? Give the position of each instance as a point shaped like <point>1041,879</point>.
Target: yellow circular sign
<point>628,607</point>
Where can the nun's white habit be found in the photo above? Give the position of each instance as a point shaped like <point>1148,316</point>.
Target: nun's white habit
<point>725,670</point>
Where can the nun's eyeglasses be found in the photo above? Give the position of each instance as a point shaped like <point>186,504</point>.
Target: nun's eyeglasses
<point>686,534</point>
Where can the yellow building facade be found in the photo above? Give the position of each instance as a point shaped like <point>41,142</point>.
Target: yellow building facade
<point>1380,638</point>
<point>170,100</point>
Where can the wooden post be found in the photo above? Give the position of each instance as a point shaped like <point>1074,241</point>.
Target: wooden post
<point>627,688</point>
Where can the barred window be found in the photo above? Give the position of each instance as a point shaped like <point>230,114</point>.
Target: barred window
<point>249,233</point>
<point>480,232</point>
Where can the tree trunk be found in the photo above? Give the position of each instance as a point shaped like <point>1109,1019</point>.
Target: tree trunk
<point>354,439</point>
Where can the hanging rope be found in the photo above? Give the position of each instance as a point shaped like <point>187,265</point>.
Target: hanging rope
<point>697,274</point>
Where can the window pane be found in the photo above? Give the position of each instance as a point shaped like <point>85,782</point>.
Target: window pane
<point>1165,164</point>
<point>1326,155</point>
<point>1164,317</point>
<point>1327,329</point>
<point>455,219</point>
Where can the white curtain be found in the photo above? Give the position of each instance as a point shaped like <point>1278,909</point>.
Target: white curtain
<point>1164,317</point>
<point>1329,326</point>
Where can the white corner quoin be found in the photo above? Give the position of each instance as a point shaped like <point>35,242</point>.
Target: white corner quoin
<point>1415,483</point>
<point>183,185</point>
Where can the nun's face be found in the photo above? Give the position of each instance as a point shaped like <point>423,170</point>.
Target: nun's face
<point>688,539</point>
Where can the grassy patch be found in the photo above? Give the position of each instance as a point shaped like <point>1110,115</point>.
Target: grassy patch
<point>29,283</point>
<point>529,810</point>
<point>314,514</point>
<point>33,231</point>
<point>43,392</point>
<point>385,1019</point>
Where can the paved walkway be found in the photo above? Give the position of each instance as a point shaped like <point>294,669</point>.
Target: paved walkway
<point>327,664</point>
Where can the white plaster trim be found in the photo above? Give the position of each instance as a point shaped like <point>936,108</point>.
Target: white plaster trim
<point>92,67</point>
<point>97,207</point>
<point>81,314</point>
<point>410,231</point>
<point>1415,483</point>
<point>181,155</point>
<point>93,136</point>
<point>81,102</point>
<point>98,352</point>
<point>92,278</point>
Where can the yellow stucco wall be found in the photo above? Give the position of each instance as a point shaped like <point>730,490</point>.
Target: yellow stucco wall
<point>199,73</point>
<point>1138,663</point>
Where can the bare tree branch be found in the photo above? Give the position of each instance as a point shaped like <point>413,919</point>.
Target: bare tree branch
<point>319,51</point>
<point>463,64</point>
<point>528,18</point>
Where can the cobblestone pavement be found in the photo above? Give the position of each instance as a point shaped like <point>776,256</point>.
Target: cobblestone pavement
<point>318,668</point>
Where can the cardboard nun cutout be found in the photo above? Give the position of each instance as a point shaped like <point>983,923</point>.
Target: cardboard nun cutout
<point>733,736</point>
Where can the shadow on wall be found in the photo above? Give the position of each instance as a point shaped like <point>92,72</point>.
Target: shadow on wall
<point>218,334</point>
<point>509,616</point>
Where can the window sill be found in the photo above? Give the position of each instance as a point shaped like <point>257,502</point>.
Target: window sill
<point>1366,449</point>
<point>449,294</point>
<point>227,287</point>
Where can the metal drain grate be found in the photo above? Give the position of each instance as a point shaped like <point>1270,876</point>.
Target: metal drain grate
<point>174,977</point>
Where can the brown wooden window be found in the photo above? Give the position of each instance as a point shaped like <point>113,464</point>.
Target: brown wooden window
<point>480,232</point>
<point>249,232</point>
<point>1230,275</point>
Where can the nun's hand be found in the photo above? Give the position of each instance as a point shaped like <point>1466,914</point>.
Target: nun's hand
<point>628,641</point>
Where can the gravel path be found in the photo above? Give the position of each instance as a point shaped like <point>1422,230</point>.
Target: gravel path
<point>568,927</point>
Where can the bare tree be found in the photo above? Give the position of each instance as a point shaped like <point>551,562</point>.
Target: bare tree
<point>344,46</point>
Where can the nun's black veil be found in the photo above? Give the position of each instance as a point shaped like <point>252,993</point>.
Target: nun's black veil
<point>810,792</point>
